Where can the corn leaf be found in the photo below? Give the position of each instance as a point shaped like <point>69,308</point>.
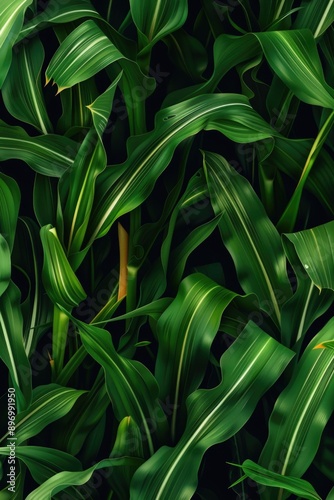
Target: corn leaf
<point>24,81</point>
<point>155,20</point>
<point>60,282</point>
<point>301,412</point>
<point>298,487</point>
<point>5,269</point>
<point>44,462</point>
<point>249,367</point>
<point>255,246</point>
<point>50,402</point>
<point>131,387</point>
<point>58,11</point>
<point>11,20</point>
<point>185,332</point>
<point>315,250</point>
<point>76,190</point>
<point>10,198</point>
<point>101,107</point>
<point>62,480</point>
<point>316,15</point>
<point>12,351</point>
<point>47,154</point>
<point>149,155</point>
<point>84,52</point>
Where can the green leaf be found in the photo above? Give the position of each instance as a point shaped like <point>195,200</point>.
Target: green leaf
<point>76,190</point>
<point>316,15</point>
<point>47,154</point>
<point>294,58</point>
<point>249,235</point>
<point>12,351</point>
<point>249,367</point>
<point>298,487</point>
<point>185,332</point>
<point>64,479</point>
<point>11,20</point>
<point>101,107</point>
<point>315,250</point>
<point>43,462</point>
<point>58,11</point>
<point>50,402</point>
<point>5,269</point>
<point>74,103</point>
<point>156,19</point>
<point>84,52</point>
<point>306,304</point>
<point>187,53</point>
<point>301,412</point>
<point>149,154</point>
<point>60,282</point>
<point>23,81</point>
<point>10,198</point>
<point>131,387</point>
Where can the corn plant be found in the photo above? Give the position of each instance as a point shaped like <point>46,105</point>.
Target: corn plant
<point>167,249</point>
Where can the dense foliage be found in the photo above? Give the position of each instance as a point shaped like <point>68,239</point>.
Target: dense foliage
<point>167,249</point>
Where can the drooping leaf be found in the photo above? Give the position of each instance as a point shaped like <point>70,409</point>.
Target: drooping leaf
<point>294,485</point>
<point>149,155</point>
<point>50,402</point>
<point>301,412</point>
<point>11,20</point>
<point>62,480</point>
<point>44,462</point>
<point>249,235</point>
<point>22,90</point>
<point>84,52</point>
<point>249,367</point>
<point>48,154</point>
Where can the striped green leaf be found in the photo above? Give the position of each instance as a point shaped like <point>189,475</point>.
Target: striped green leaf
<point>249,235</point>
<point>12,351</point>
<point>316,15</point>
<point>62,480</point>
<point>315,250</point>
<point>44,462</point>
<point>50,403</point>
<point>156,19</point>
<point>60,282</point>
<point>76,190</point>
<point>131,387</point>
<point>74,103</point>
<point>149,154</point>
<point>294,485</point>
<point>47,154</point>
<point>10,198</point>
<point>24,81</point>
<point>185,332</point>
<point>249,367</point>
<point>301,412</point>
<point>11,20</point>
<point>294,58</point>
<point>5,269</point>
<point>58,12</point>
<point>101,107</point>
<point>84,52</point>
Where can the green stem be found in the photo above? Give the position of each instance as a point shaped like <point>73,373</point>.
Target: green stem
<point>59,339</point>
<point>289,217</point>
